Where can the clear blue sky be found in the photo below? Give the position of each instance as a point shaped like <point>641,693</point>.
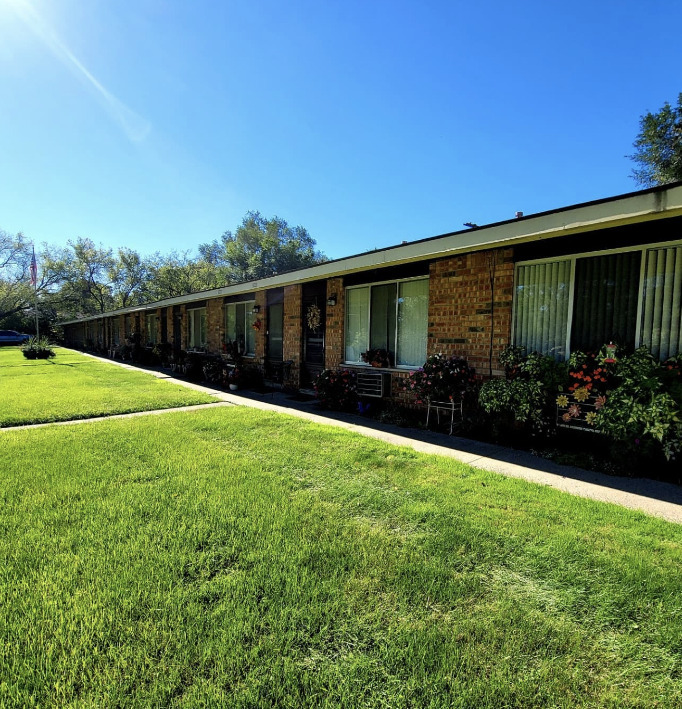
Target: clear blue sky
<point>156,124</point>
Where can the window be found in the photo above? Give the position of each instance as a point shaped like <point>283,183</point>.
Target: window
<point>605,303</point>
<point>541,307</point>
<point>587,301</point>
<point>239,321</point>
<point>661,309</point>
<point>197,327</point>
<point>389,316</point>
<point>150,323</point>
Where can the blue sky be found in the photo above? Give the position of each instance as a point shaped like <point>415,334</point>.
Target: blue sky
<point>157,124</point>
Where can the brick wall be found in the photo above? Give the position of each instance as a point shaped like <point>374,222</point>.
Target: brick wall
<point>184,328</point>
<point>461,305</point>
<point>335,314</point>
<point>261,302</point>
<point>215,325</point>
<point>293,333</point>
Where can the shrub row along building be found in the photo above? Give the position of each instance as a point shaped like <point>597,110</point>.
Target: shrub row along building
<point>572,278</point>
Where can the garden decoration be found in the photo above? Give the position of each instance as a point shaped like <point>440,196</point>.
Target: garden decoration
<point>313,318</point>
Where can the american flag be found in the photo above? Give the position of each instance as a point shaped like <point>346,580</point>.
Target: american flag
<point>34,268</point>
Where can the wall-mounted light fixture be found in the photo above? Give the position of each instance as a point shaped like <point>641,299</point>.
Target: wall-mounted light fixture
<point>256,309</point>
<point>331,301</point>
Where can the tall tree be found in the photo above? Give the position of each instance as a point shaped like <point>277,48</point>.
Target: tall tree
<point>128,277</point>
<point>87,288</point>
<point>261,247</point>
<point>16,292</point>
<point>177,274</point>
<point>659,146</point>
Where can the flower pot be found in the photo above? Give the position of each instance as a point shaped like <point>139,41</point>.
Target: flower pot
<point>234,387</point>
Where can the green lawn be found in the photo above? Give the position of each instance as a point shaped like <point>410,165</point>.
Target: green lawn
<point>236,558</point>
<point>72,386</point>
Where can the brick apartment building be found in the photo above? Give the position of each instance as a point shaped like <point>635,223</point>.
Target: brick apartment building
<point>576,277</point>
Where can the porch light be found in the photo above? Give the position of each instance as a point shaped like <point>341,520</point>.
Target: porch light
<point>331,301</point>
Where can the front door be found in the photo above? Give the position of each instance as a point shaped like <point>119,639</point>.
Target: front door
<point>177,328</point>
<point>275,342</point>
<point>314,311</point>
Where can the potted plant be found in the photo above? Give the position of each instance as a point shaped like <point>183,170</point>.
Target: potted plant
<point>234,378</point>
<point>37,348</point>
<point>441,378</point>
<point>377,357</point>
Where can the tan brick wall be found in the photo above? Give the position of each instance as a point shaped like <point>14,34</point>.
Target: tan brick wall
<point>460,305</point>
<point>293,333</point>
<point>184,329</point>
<point>335,314</point>
<point>261,302</point>
<point>215,324</point>
<point>169,324</point>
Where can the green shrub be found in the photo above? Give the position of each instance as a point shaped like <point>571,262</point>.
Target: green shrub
<point>642,412</point>
<point>526,396</point>
<point>337,390</point>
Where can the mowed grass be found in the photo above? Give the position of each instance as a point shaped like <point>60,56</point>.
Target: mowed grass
<point>73,386</point>
<point>236,558</point>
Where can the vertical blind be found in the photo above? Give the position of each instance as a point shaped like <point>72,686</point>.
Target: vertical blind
<point>197,327</point>
<point>541,307</point>
<point>605,305</point>
<point>413,312</point>
<point>661,312</point>
<point>357,323</point>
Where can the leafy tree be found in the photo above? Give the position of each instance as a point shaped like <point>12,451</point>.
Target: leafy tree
<point>16,292</point>
<point>178,274</point>
<point>128,277</point>
<point>659,146</point>
<point>259,248</point>
<point>87,287</point>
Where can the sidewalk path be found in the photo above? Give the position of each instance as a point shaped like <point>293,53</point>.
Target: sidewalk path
<point>650,496</point>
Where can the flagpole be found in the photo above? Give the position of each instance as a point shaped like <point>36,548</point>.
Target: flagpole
<point>34,280</point>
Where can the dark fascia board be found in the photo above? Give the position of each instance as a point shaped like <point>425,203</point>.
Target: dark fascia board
<point>654,203</point>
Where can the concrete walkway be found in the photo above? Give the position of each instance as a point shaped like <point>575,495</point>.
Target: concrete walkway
<point>652,497</point>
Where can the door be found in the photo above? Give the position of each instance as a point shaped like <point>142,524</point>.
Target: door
<point>275,342</point>
<point>313,317</point>
<point>177,328</point>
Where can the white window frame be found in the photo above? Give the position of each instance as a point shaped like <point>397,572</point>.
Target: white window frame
<point>397,283</point>
<point>248,317</point>
<point>151,332</point>
<point>641,248</point>
<point>192,315</point>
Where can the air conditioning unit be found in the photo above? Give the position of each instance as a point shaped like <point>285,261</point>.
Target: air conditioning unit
<point>374,384</point>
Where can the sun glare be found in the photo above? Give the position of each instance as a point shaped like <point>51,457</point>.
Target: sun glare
<point>133,125</point>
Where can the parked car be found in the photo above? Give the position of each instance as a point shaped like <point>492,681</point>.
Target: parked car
<point>12,337</point>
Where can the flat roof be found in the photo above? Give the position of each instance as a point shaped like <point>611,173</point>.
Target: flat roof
<point>633,207</point>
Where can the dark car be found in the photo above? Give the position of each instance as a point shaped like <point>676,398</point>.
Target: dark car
<point>12,337</point>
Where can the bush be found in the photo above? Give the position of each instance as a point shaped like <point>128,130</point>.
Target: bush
<point>38,348</point>
<point>214,371</point>
<point>642,411</point>
<point>441,378</point>
<point>526,396</point>
<point>337,390</point>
